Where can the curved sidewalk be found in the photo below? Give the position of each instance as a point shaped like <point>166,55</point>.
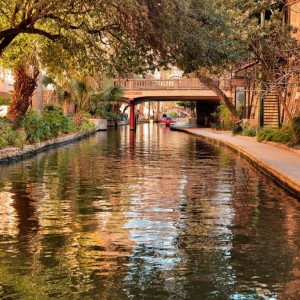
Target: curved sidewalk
<point>280,163</point>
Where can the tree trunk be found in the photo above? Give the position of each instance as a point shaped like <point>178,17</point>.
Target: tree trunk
<point>285,107</point>
<point>79,118</point>
<point>24,86</point>
<point>211,84</point>
<point>116,110</point>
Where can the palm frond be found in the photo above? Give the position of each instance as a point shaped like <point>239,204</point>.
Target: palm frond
<point>47,80</point>
<point>112,93</point>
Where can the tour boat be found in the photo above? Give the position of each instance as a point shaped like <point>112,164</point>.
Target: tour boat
<point>167,121</point>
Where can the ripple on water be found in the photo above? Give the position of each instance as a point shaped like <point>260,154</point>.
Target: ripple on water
<point>165,216</point>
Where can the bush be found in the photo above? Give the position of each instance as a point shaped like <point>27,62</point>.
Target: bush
<point>56,121</point>
<point>102,110</point>
<point>223,118</point>
<point>86,125</point>
<point>3,142</point>
<point>40,127</point>
<point>282,135</point>
<point>247,130</point>
<point>236,128</point>
<point>9,136</point>
<point>36,129</point>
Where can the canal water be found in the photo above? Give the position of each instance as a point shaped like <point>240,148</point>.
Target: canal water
<point>158,215</point>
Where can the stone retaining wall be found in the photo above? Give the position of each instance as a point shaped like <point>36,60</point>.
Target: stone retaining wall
<point>11,154</point>
<point>100,124</point>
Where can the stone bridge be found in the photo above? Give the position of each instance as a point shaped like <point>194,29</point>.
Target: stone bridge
<point>183,89</point>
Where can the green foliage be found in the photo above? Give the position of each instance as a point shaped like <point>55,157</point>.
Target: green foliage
<point>56,121</point>
<point>112,93</point>
<point>223,118</point>
<point>107,104</point>
<point>86,125</point>
<point>282,135</point>
<point>173,114</point>
<point>3,142</point>
<point>36,129</point>
<point>54,106</point>
<point>40,127</point>
<point>248,130</point>
<point>102,110</point>
<point>236,128</point>
<point>109,115</point>
<point>77,91</point>
<point>4,101</point>
<point>187,104</point>
<point>9,136</point>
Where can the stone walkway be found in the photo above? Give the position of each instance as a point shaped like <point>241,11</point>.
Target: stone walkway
<point>279,162</point>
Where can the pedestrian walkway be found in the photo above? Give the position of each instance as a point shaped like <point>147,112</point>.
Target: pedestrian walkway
<point>280,163</point>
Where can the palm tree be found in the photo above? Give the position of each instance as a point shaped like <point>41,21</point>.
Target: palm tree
<point>62,91</point>
<point>24,86</point>
<point>76,91</point>
<point>113,94</point>
<point>81,96</point>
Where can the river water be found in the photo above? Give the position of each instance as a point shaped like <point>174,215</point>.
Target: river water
<point>158,215</point>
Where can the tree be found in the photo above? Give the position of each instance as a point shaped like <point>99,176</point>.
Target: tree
<point>52,19</point>
<point>80,92</point>
<point>113,94</point>
<point>24,86</point>
<point>68,38</point>
<point>266,32</point>
<point>190,105</point>
<point>194,35</point>
<point>211,38</point>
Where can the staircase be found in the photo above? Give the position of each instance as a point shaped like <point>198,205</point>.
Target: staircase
<point>271,110</point>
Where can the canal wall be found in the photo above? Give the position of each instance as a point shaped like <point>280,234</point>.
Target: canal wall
<point>278,162</point>
<point>100,124</point>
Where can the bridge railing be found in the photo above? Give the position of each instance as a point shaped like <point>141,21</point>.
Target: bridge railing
<point>161,84</point>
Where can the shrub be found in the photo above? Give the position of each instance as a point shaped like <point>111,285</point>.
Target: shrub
<point>247,130</point>
<point>16,138</point>
<point>86,125</point>
<point>54,106</point>
<point>223,117</point>
<point>101,110</point>
<point>280,135</point>
<point>35,127</point>
<point>3,142</point>
<point>56,121</point>
<point>236,128</point>
<point>9,136</point>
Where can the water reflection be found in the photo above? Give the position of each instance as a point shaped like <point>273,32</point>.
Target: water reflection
<point>158,215</point>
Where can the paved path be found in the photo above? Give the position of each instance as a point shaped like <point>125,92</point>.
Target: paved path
<point>281,163</point>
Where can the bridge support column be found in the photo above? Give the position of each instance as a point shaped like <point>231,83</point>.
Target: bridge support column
<point>131,115</point>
